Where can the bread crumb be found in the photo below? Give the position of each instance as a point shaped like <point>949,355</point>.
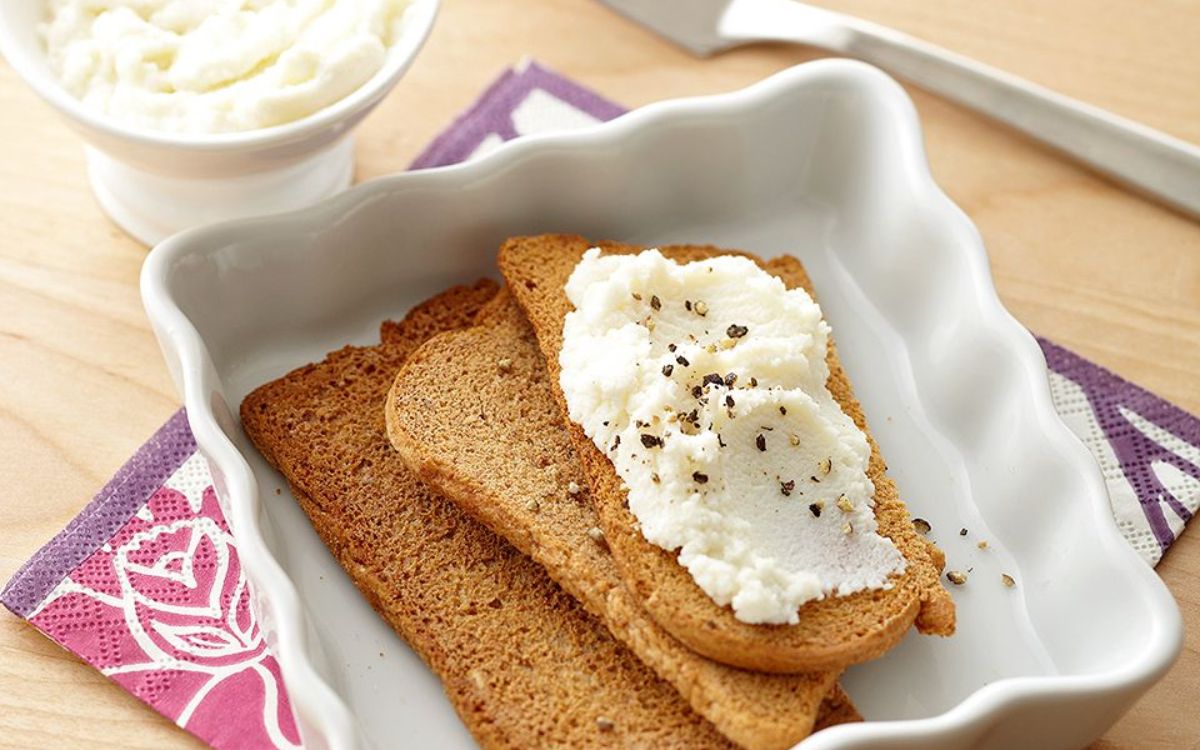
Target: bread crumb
<point>1007,580</point>
<point>921,525</point>
<point>596,535</point>
<point>533,505</point>
<point>982,544</point>
<point>605,724</point>
<point>505,365</point>
<point>573,488</point>
<point>957,577</point>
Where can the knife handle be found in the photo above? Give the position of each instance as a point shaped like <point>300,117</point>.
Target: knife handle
<point>1149,161</point>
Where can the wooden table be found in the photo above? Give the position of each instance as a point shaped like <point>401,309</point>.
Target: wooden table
<point>1075,258</point>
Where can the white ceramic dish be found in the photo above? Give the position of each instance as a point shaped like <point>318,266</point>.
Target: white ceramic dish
<point>154,183</point>
<point>825,161</point>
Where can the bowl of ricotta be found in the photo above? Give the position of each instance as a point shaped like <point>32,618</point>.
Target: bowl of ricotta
<point>194,112</point>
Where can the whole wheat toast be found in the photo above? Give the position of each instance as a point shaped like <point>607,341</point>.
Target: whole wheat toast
<point>521,661</point>
<point>832,632</point>
<point>473,414</point>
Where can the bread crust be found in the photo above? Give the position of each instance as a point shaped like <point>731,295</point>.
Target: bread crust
<point>833,632</point>
<point>472,412</point>
<point>521,661</point>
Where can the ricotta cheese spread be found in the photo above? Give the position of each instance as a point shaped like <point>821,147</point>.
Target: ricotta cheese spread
<point>210,66</point>
<point>705,384</point>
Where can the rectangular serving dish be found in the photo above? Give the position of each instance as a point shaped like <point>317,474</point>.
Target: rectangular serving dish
<point>823,161</point>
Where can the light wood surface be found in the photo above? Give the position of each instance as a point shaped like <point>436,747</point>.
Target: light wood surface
<point>1079,260</point>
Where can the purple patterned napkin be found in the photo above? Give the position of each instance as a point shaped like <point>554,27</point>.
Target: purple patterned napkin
<point>145,584</point>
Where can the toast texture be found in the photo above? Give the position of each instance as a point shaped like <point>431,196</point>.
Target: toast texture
<point>833,632</point>
<point>521,661</point>
<point>472,412</point>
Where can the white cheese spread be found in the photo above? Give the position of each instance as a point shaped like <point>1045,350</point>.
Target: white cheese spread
<point>209,66</point>
<point>705,384</point>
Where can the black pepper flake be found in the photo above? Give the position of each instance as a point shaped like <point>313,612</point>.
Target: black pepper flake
<point>687,305</point>
<point>729,400</point>
<point>651,441</point>
<point>814,509</point>
<point>713,379</point>
<point>814,479</point>
<point>668,369</point>
<point>787,487</point>
<point>736,331</point>
<point>637,296</point>
<point>753,382</point>
<point>655,302</point>
<point>616,442</point>
<point>680,359</point>
<point>697,391</point>
<point>654,478</point>
<point>962,532</point>
<point>761,442</point>
<point>699,478</point>
<point>730,379</point>
<point>720,442</point>
<point>671,347</point>
<point>783,410</point>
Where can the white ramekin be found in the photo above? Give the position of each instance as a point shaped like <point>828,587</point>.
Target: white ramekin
<point>155,183</point>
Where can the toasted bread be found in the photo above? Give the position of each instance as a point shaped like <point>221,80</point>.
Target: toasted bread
<point>521,661</point>
<point>473,414</point>
<point>832,632</point>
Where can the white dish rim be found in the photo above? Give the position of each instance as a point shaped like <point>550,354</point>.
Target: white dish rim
<point>309,691</point>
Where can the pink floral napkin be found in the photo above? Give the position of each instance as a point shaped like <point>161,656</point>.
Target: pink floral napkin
<point>145,584</point>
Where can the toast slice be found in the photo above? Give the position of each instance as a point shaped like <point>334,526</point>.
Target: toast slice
<point>521,661</point>
<point>473,414</point>
<point>832,632</point>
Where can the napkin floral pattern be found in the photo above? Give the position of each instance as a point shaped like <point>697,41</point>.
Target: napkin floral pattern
<point>161,605</point>
<point>1148,448</point>
<point>145,583</point>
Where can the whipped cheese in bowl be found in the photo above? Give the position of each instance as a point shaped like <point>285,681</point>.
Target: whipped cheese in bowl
<point>196,111</point>
<point>705,385</point>
<point>193,66</point>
